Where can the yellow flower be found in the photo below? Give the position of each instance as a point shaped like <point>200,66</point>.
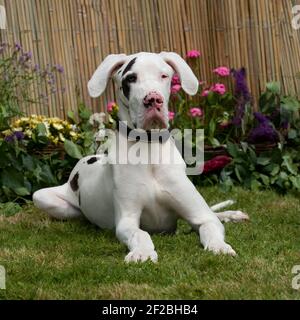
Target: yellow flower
<point>61,137</point>
<point>17,123</point>
<point>18,129</point>
<point>57,126</point>
<point>7,132</point>
<point>28,133</point>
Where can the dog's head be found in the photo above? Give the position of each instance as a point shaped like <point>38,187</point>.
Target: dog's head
<point>144,85</point>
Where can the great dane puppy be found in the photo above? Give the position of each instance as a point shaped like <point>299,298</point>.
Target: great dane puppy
<point>138,199</point>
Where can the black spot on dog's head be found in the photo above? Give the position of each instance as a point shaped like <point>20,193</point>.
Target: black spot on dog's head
<point>74,182</point>
<point>131,78</point>
<point>92,160</point>
<point>129,66</point>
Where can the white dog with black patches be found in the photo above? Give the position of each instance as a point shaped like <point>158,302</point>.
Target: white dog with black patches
<point>138,199</point>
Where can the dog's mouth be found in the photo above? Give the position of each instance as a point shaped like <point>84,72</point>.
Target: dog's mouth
<point>154,119</point>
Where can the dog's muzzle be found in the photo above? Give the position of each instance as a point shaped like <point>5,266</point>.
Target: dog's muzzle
<point>154,117</point>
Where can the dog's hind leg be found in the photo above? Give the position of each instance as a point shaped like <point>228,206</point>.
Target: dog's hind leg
<point>58,202</point>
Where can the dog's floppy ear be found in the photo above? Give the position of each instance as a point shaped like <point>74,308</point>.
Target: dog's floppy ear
<point>189,81</point>
<point>99,80</point>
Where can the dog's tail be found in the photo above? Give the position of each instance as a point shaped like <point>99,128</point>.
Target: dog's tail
<point>222,205</point>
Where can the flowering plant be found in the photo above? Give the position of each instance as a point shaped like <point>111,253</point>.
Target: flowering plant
<point>211,109</point>
<point>22,82</point>
<point>41,129</point>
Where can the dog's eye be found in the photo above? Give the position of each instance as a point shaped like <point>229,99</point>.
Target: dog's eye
<point>131,78</point>
<point>164,76</point>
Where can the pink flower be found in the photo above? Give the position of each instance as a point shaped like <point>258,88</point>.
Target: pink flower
<point>218,88</point>
<point>193,54</point>
<point>110,106</point>
<point>175,89</point>
<point>176,80</point>
<point>222,71</point>
<point>202,82</point>
<point>205,93</point>
<point>171,115</point>
<point>196,112</point>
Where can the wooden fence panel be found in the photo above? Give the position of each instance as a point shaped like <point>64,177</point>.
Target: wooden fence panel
<point>78,34</point>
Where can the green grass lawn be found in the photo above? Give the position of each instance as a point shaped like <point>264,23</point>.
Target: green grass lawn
<point>48,259</point>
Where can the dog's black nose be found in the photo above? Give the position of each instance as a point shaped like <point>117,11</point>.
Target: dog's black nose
<point>153,99</point>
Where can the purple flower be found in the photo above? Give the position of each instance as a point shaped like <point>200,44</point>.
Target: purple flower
<point>239,113</point>
<point>2,47</point>
<point>25,57</point>
<point>241,86</point>
<point>17,135</point>
<point>242,95</point>
<point>10,138</point>
<point>59,68</point>
<point>264,132</point>
<point>28,55</point>
<point>18,47</point>
<point>261,118</point>
<point>36,68</point>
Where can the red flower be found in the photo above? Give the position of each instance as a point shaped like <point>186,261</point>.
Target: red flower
<point>216,163</point>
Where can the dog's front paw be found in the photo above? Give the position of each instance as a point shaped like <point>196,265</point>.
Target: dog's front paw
<point>220,247</point>
<point>141,255</point>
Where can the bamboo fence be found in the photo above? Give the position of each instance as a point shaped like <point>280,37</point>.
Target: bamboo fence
<point>78,34</point>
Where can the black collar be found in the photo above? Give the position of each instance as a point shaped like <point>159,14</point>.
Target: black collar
<point>137,135</point>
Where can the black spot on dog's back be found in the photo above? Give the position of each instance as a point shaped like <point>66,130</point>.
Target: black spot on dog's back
<point>129,66</point>
<point>74,182</point>
<point>92,160</point>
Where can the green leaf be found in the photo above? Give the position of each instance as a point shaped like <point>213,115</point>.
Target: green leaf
<point>274,87</point>
<point>288,163</point>
<point>275,170</point>
<point>296,182</point>
<point>12,178</point>
<point>71,116</point>
<point>263,161</point>
<point>72,149</point>
<point>290,104</point>
<point>22,191</point>
<point>232,149</point>
<point>212,98</point>
<point>255,185</point>
<point>41,133</point>
<point>214,142</point>
<point>292,134</point>
<point>84,112</point>
<point>265,179</point>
